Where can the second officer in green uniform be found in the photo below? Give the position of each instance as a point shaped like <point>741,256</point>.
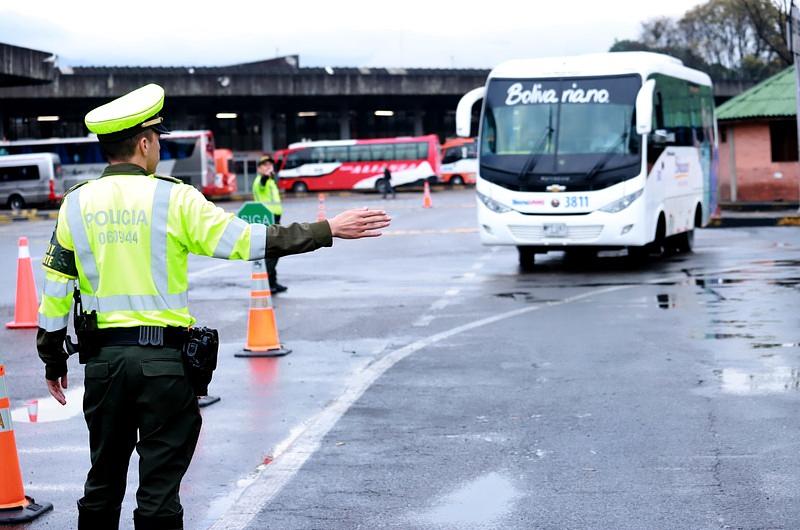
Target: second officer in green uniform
<point>125,239</point>
<point>265,191</point>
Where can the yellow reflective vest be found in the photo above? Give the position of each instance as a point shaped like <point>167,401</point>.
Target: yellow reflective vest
<point>268,194</point>
<point>126,237</point>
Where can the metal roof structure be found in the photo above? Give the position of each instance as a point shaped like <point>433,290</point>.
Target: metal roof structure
<point>772,98</point>
<point>23,66</point>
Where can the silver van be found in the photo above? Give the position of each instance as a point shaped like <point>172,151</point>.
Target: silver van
<point>33,178</point>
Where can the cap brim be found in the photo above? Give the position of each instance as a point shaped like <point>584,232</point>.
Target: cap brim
<point>160,129</point>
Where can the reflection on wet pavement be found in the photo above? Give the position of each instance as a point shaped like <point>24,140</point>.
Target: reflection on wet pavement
<point>779,379</point>
<point>481,502</point>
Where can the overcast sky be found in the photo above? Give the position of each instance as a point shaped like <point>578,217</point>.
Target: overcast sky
<point>411,33</point>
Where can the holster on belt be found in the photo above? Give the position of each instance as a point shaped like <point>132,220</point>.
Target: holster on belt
<point>85,330</point>
<point>200,357</point>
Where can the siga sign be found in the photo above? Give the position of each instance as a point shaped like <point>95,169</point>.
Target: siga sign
<point>255,213</point>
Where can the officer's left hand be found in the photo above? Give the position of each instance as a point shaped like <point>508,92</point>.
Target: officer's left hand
<point>358,223</point>
<point>56,389</point>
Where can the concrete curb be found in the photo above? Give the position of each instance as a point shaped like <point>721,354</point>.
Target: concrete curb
<point>741,222</point>
<point>27,215</point>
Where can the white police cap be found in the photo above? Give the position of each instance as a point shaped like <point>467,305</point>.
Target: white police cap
<point>128,115</point>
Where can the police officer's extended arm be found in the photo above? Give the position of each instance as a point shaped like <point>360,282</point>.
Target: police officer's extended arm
<point>211,231</point>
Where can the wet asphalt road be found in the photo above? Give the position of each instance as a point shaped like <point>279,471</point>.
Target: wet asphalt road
<point>432,385</point>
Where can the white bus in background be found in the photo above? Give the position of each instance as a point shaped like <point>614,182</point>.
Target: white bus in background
<point>602,151</point>
<point>187,155</point>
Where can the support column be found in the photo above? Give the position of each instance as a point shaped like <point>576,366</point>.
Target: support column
<point>344,124</point>
<point>267,143</point>
<point>419,129</point>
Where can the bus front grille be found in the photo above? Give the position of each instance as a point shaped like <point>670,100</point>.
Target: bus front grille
<point>535,233</point>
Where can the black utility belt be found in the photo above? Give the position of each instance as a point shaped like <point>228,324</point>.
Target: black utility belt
<point>152,336</point>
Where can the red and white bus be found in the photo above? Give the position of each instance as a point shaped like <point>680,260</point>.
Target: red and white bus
<point>358,164</point>
<point>459,161</point>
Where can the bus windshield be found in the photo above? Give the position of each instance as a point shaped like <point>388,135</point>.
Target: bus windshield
<point>580,132</point>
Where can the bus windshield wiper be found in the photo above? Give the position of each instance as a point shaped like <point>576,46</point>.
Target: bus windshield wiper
<point>534,155</point>
<point>609,154</point>
<point>496,168</point>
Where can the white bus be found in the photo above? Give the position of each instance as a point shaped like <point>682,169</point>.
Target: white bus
<point>601,151</point>
<point>187,155</point>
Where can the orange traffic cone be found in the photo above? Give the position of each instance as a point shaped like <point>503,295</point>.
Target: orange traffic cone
<point>321,215</point>
<point>15,507</point>
<point>426,196</point>
<point>262,329</point>
<point>27,305</point>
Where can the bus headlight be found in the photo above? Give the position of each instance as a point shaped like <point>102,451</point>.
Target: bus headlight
<point>492,204</point>
<point>621,204</point>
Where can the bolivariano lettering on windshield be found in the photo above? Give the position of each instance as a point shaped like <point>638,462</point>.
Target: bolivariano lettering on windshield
<point>517,94</point>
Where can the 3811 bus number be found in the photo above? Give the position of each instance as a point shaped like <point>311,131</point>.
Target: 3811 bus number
<point>580,201</point>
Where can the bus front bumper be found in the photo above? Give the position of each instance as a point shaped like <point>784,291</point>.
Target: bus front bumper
<point>595,229</point>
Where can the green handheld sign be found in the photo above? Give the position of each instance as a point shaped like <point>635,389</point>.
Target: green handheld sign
<point>255,213</point>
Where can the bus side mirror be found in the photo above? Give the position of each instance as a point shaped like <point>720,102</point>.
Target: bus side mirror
<point>644,107</point>
<point>464,111</point>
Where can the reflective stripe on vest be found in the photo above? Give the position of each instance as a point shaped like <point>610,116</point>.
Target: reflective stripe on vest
<point>158,237</point>
<point>135,302</point>
<point>229,238</point>
<point>258,241</point>
<point>81,240</point>
<point>57,289</point>
<point>53,323</point>
<point>161,301</point>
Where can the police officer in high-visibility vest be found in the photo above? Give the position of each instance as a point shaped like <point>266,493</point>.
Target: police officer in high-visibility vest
<point>265,191</point>
<point>124,239</point>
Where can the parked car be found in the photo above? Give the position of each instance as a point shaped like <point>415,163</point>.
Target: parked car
<point>34,178</point>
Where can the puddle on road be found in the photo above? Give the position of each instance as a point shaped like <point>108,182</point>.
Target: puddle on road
<point>481,502</point>
<point>524,296</point>
<point>777,380</point>
<point>770,345</point>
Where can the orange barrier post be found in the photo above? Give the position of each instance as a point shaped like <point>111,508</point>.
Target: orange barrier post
<point>427,202</point>
<point>321,215</point>
<point>26,310</point>
<point>262,329</point>
<point>15,507</point>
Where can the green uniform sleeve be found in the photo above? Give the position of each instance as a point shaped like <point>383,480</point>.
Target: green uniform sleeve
<point>297,238</point>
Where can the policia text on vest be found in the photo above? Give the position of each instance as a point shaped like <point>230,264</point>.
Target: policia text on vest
<point>123,241</point>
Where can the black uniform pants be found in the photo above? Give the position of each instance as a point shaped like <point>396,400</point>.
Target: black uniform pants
<point>272,263</point>
<point>136,393</point>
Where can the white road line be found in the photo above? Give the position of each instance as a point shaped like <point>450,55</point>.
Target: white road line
<point>297,449</point>
<point>53,450</point>
<point>208,270</point>
<point>68,487</point>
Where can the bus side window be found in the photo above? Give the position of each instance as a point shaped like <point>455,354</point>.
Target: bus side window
<point>422,150</point>
<point>296,159</point>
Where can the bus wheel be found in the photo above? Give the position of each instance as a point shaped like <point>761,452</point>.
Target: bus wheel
<point>527,257</point>
<point>16,202</point>
<point>300,187</point>
<point>456,180</point>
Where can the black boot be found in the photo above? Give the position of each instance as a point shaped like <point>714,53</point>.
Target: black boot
<point>166,522</point>
<point>98,519</point>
